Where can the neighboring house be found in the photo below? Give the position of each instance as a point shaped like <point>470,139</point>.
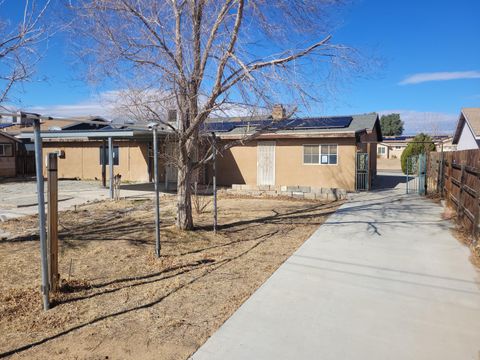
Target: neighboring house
<point>392,146</point>
<point>10,149</point>
<point>312,152</point>
<point>467,133</point>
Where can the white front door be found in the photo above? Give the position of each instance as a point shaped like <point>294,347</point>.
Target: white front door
<point>170,168</point>
<point>266,163</point>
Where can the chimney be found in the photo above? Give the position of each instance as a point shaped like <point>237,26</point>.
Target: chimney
<point>172,116</point>
<point>278,112</point>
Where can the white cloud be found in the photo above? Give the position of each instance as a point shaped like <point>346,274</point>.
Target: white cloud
<point>100,105</point>
<point>439,76</point>
<point>434,123</point>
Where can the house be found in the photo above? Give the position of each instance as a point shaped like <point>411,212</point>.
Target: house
<point>11,149</point>
<point>84,145</point>
<point>316,152</point>
<point>467,133</point>
<point>392,147</point>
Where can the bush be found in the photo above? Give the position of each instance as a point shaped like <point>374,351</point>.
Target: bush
<point>420,144</point>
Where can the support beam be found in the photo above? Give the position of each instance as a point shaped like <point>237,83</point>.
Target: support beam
<point>110,164</point>
<point>41,213</point>
<point>157,197</point>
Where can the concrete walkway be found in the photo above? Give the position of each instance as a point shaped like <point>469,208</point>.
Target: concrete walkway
<point>383,279</point>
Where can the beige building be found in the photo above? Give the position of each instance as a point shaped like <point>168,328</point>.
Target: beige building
<point>317,152</point>
<point>392,146</point>
<point>10,148</point>
<point>85,150</point>
<point>326,152</point>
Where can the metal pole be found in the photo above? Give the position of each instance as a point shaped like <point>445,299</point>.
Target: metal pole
<point>41,212</point>
<point>52,233</point>
<point>110,164</point>
<point>214,155</point>
<point>406,175</point>
<point>157,197</point>
<point>104,164</point>
<point>442,173</point>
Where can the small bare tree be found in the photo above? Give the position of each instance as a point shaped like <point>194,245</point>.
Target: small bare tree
<point>202,55</point>
<point>20,39</point>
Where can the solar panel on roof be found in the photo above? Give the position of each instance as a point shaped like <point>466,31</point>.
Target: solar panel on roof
<point>286,124</point>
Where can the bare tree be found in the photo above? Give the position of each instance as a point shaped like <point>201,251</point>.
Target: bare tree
<point>20,37</point>
<point>205,54</point>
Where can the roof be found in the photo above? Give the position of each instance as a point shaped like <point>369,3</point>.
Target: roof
<point>52,125</point>
<point>348,125</point>
<point>471,117</point>
<point>8,136</point>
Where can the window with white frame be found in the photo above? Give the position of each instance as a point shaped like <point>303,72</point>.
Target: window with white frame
<point>320,154</point>
<point>6,150</point>
<point>381,150</point>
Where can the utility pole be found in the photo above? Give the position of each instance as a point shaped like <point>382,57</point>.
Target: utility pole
<point>41,212</point>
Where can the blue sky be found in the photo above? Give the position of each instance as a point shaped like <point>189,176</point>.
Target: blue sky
<point>429,66</point>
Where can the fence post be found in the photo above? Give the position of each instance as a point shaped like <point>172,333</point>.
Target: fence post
<point>52,233</point>
<point>460,209</point>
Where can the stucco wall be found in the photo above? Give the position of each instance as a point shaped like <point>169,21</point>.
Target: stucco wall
<point>8,167</point>
<point>82,160</point>
<point>239,165</point>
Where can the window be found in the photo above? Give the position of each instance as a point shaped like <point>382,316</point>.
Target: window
<point>310,154</point>
<point>6,150</point>
<point>104,155</point>
<point>320,154</point>
<point>381,150</point>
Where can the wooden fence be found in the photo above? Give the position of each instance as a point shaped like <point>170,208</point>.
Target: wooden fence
<point>455,176</point>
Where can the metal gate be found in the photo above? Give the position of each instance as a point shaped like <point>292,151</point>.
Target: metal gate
<point>416,172</point>
<point>362,182</point>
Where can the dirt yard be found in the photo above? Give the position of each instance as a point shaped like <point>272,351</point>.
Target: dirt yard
<point>118,301</point>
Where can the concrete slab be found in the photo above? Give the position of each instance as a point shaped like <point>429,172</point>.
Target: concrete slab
<point>383,279</point>
<point>19,198</point>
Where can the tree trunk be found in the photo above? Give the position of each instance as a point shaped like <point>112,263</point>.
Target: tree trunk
<point>184,200</point>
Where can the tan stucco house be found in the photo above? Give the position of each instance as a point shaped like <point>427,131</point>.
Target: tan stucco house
<point>318,153</point>
<point>312,152</point>
<point>85,149</point>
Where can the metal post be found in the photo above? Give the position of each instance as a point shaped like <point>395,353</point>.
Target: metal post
<point>110,164</point>
<point>214,156</point>
<point>406,174</point>
<point>41,212</point>
<point>104,164</point>
<point>52,176</point>
<point>442,173</point>
<point>157,197</point>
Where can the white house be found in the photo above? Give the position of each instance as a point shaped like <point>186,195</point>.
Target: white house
<point>467,134</point>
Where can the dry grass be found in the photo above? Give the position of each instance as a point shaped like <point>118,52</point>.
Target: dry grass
<point>119,301</point>
<point>465,237</point>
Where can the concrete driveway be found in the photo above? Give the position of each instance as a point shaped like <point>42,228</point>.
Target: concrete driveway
<point>383,279</point>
